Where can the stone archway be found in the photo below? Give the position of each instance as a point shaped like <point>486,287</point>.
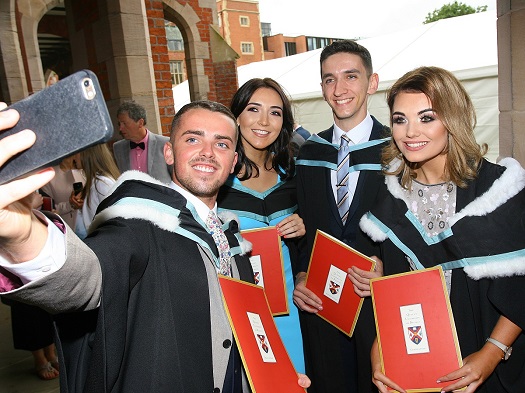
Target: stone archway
<point>196,51</point>
<point>31,13</point>
<point>13,79</point>
<point>20,53</point>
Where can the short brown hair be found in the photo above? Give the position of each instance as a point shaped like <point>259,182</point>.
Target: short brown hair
<point>211,106</point>
<point>348,46</point>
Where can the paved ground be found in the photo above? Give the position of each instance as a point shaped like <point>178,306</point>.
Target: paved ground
<point>16,367</point>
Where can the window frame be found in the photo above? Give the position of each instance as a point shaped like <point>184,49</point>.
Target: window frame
<point>244,17</point>
<point>252,49</point>
<point>176,75</point>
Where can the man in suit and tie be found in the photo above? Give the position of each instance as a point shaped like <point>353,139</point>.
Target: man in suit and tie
<point>338,176</point>
<point>141,149</point>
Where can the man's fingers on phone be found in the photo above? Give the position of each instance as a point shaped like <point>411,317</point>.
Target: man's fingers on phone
<point>19,189</point>
<point>14,144</point>
<point>9,117</point>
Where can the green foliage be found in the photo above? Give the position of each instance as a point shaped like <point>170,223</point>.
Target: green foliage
<point>451,10</point>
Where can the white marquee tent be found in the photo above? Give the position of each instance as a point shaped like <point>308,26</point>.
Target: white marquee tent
<point>465,45</point>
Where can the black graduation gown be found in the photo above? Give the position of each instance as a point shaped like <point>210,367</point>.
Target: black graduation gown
<point>152,331</point>
<point>476,303</point>
<point>334,362</point>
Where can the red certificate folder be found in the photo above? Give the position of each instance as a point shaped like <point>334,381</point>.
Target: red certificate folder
<point>268,267</point>
<point>266,362</point>
<point>415,329</point>
<point>327,278</point>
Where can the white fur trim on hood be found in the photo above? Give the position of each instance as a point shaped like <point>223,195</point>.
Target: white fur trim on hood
<point>227,216</point>
<point>504,268</point>
<point>134,175</point>
<point>392,182</point>
<point>165,218</point>
<point>130,208</point>
<point>371,229</point>
<point>159,214</point>
<point>508,185</point>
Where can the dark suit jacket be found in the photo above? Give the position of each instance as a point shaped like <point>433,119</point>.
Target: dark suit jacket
<point>303,132</point>
<point>157,166</point>
<point>317,207</point>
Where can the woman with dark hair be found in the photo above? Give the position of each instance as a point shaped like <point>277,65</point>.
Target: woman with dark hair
<point>445,205</point>
<point>275,148</point>
<point>262,189</point>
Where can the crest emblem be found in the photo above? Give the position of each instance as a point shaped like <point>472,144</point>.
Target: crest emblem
<point>262,342</point>
<point>415,334</point>
<point>334,287</point>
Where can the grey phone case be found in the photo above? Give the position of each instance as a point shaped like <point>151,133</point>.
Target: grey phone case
<point>66,117</point>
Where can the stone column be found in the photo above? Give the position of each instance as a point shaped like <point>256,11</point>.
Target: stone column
<point>511,64</point>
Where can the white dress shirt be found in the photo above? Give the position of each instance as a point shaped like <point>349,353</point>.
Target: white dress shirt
<point>51,258</point>
<point>359,134</point>
<point>202,209</point>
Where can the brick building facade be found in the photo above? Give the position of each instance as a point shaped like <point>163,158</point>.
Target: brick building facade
<point>124,43</point>
<point>240,25</point>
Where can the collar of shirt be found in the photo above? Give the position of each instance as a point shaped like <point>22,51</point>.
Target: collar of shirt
<point>358,134</point>
<point>201,208</point>
<point>145,139</point>
<point>139,157</point>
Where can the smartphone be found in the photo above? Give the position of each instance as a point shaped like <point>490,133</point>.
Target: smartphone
<point>77,187</point>
<point>66,117</point>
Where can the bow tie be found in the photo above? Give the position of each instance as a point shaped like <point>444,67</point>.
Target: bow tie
<point>133,145</point>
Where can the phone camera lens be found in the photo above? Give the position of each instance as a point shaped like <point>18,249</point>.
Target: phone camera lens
<point>88,88</point>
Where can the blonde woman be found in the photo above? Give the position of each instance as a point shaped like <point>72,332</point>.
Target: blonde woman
<point>446,205</point>
<point>101,172</point>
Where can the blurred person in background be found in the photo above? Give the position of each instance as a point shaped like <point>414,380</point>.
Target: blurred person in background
<point>60,189</point>
<point>141,149</point>
<point>101,171</point>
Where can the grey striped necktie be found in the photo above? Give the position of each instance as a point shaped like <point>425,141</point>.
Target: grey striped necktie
<point>343,158</point>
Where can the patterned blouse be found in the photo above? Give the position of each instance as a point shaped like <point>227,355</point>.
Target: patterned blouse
<point>433,205</point>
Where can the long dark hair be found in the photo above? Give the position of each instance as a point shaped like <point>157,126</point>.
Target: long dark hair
<point>280,150</point>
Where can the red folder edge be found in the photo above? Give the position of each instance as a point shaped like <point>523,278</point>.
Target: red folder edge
<point>275,286</point>
<point>240,297</point>
<point>401,377</point>
<point>350,303</point>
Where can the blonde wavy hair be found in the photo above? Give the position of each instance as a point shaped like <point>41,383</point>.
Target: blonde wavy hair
<point>455,110</point>
<point>97,160</point>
